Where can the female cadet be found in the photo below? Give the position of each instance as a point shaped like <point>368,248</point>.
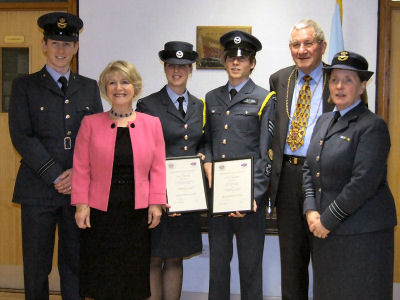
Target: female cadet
<point>182,118</point>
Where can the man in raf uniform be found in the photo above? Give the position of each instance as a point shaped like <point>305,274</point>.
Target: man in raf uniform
<point>302,94</point>
<point>239,124</point>
<point>46,110</point>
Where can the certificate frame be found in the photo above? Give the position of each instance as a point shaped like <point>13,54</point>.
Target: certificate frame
<point>186,188</point>
<point>232,173</point>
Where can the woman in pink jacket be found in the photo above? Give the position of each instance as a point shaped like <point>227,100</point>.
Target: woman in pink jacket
<point>118,187</point>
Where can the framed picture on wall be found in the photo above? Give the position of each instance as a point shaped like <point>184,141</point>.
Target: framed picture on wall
<point>208,46</point>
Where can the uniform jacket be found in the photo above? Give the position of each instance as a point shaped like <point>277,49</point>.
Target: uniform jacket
<point>279,83</point>
<point>40,118</point>
<point>183,136</point>
<point>94,158</point>
<point>240,128</point>
<point>345,173</point>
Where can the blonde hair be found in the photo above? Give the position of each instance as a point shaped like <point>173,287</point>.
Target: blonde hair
<point>126,70</point>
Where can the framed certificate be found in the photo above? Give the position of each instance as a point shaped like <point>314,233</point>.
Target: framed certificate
<point>185,185</point>
<point>232,188</point>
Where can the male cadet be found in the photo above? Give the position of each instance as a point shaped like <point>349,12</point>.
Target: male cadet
<point>239,124</point>
<point>302,93</point>
<point>46,110</point>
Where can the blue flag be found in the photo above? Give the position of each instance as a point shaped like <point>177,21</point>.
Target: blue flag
<point>336,43</point>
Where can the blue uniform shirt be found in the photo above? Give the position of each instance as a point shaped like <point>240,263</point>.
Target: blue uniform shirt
<point>174,97</point>
<point>238,87</point>
<point>55,75</point>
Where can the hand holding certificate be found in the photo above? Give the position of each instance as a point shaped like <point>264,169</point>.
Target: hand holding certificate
<point>232,186</point>
<point>185,185</point>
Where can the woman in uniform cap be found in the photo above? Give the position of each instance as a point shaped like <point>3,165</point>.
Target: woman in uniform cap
<point>182,118</point>
<point>348,203</point>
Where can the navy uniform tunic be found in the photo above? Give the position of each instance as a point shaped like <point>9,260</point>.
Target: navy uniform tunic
<point>177,236</point>
<point>43,125</point>
<point>237,128</point>
<point>345,181</point>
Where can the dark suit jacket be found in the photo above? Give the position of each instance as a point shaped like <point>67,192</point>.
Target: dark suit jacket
<point>246,126</point>
<point>182,135</point>
<point>279,83</point>
<point>40,117</point>
<point>347,182</point>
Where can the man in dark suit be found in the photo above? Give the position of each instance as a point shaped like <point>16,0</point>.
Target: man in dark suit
<point>46,109</point>
<point>293,128</point>
<point>239,124</point>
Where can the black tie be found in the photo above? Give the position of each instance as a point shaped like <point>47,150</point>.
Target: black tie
<point>64,84</point>
<point>336,116</point>
<point>233,93</point>
<point>180,107</point>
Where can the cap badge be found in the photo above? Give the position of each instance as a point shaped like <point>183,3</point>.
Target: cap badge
<point>237,40</point>
<point>179,54</point>
<point>61,23</point>
<point>344,55</point>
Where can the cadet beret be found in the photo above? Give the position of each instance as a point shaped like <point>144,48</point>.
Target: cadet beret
<point>236,41</point>
<point>178,53</point>
<point>350,61</point>
<point>60,26</point>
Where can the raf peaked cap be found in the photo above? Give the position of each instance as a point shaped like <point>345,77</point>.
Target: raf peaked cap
<point>60,26</point>
<point>347,60</point>
<point>235,42</point>
<point>178,53</point>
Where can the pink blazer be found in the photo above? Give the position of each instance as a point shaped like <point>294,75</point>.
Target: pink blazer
<point>94,157</point>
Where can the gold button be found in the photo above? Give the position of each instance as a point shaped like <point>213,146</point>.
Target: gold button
<point>186,137</point>
<point>69,132</point>
<point>321,142</point>
<point>185,126</point>
<point>317,158</point>
<point>223,156</point>
<point>228,112</point>
<point>42,108</point>
<point>226,126</point>
<point>185,148</point>
<point>319,190</point>
<point>66,101</point>
<point>317,175</point>
<point>224,141</point>
<point>67,116</point>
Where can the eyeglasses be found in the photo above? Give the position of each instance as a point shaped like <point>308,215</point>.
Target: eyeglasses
<point>308,45</point>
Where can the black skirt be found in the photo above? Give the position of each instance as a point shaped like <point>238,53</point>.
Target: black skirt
<point>349,267</point>
<point>115,251</point>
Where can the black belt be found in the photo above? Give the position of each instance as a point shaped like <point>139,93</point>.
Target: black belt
<point>294,160</point>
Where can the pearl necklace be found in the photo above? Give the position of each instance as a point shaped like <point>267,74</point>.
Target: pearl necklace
<point>121,115</point>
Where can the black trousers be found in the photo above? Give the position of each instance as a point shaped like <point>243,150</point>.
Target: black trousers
<point>38,232</point>
<point>250,235</point>
<point>294,237</point>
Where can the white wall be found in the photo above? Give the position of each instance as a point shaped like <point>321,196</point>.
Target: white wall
<point>137,30</point>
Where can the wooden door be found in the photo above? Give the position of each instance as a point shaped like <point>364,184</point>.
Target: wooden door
<point>20,52</point>
<point>394,128</point>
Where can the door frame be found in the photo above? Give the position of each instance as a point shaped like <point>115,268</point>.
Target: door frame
<point>386,8</point>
